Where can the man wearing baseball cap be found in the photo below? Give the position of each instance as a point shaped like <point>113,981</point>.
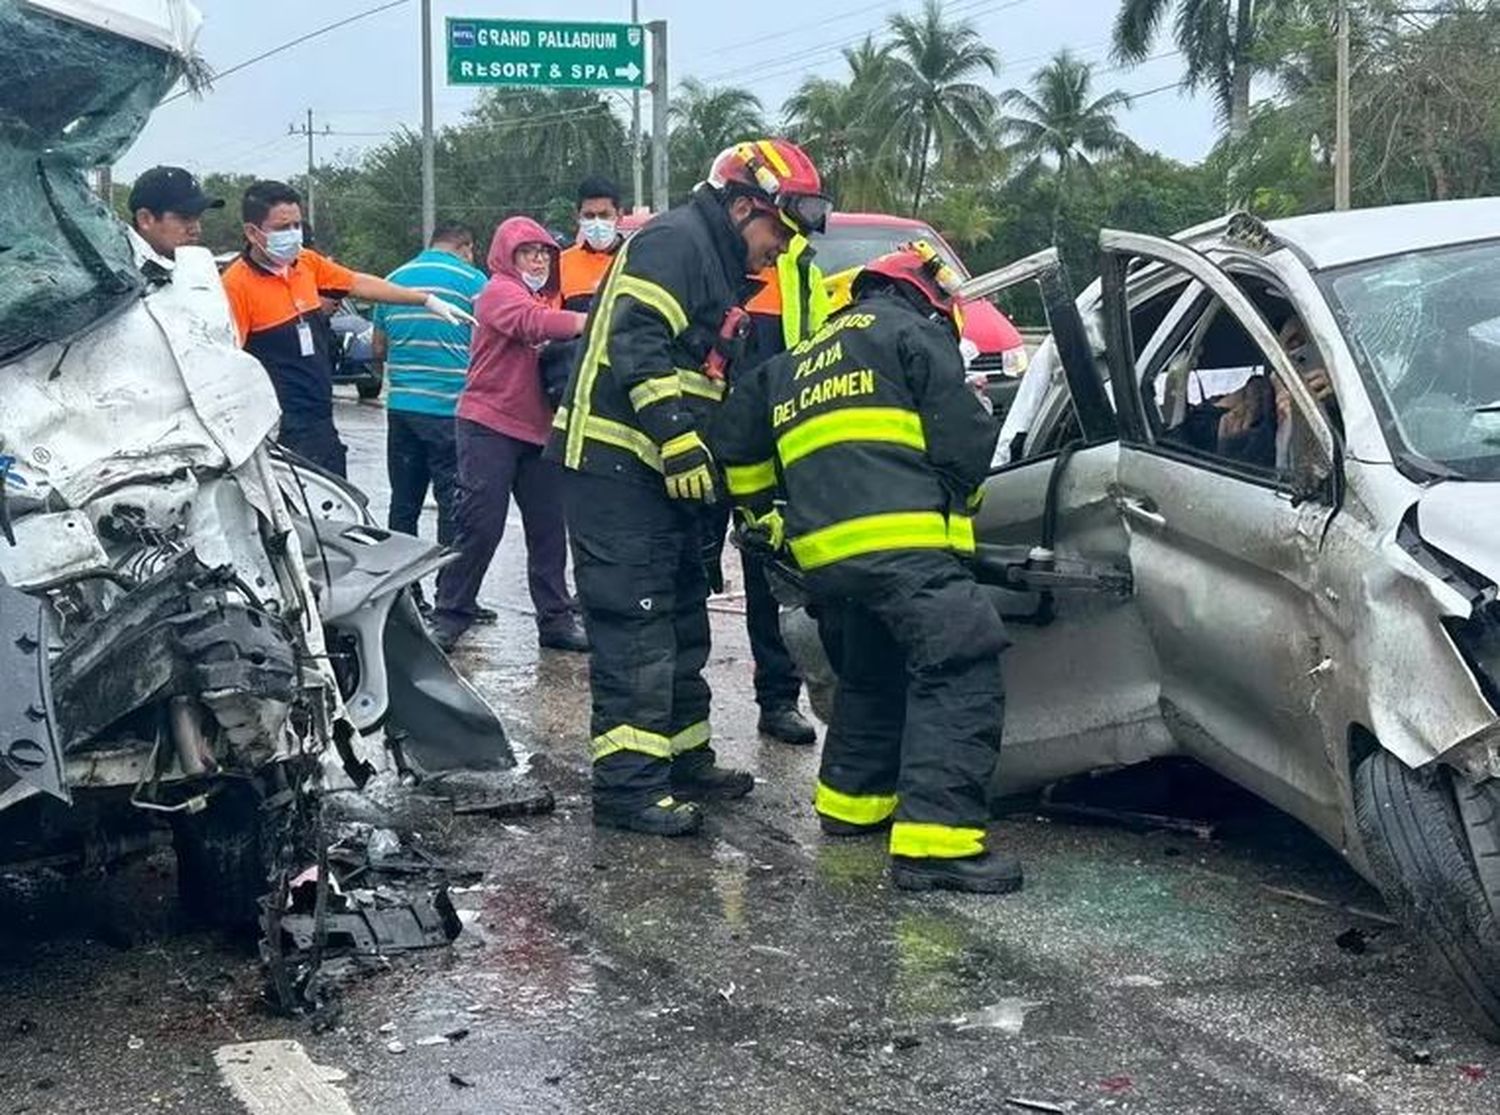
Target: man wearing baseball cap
<point>166,212</point>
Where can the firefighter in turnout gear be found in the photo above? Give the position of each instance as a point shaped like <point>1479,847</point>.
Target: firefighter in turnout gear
<point>862,451</point>
<point>640,478</point>
<point>791,304</point>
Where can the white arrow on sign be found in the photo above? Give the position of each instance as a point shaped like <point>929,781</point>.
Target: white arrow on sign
<point>629,73</point>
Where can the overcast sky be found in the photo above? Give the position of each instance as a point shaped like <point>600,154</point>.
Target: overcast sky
<point>365,80</point>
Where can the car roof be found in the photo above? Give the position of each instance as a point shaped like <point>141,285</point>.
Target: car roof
<point>1337,239</point>
<point>884,220</point>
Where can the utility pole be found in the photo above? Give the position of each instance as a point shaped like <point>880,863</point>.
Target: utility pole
<point>637,170</point>
<point>660,186</point>
<point>312,164</point>
<point>429,178</point>
<point>1341,166</point>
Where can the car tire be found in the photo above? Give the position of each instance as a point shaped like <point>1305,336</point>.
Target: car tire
<point>369,389</point>
<point>225,854</point>
<point>1424,849</point>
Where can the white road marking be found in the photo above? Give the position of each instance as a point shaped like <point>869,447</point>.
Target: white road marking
<point>279,1078</point>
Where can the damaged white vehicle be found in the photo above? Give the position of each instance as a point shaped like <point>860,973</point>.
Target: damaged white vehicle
<point>1251,514</point>
<point>192,631</point>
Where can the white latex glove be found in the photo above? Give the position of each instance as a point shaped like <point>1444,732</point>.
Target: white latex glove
<point>448,311</point>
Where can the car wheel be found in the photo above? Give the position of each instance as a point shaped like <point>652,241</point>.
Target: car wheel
<point>1426,834</point>
<point>225,854</point>
<point>369,388</point>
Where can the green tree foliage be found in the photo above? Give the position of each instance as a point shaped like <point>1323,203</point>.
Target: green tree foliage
<point>1217,39</point>
<point>705,120</point>
<point>934,106</point>
<point>1063,126</point>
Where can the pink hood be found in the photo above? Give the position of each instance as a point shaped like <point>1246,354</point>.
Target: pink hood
<point>504,387</point>
<point>512,233</point>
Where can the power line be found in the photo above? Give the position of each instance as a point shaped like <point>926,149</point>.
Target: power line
<point>238,66</point>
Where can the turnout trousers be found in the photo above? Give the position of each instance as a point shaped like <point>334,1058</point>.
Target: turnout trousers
<point>638,564</point>
<point>918,713</point>
<point>777,683</point>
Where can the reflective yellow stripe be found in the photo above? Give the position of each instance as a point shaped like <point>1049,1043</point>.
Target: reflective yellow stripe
<point>773,156</point>
<point>626,738</point>
<point>696,383</point>
<point>593,357</point>
<point>898,530</point>
<point>560,419</point>
<point>908,838</point>
<point>890,425</point>
<point>621,436</point>
<point>975,501</point>
<point>746,480</point>
<point>682,443</point>
<point>961,533</point>
<point>655,390</point>
<point>694,735</point>
<point>856,809</point>
<point>657,297</point>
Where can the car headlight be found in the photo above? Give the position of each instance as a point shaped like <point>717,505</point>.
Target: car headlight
<point>1013,361</point>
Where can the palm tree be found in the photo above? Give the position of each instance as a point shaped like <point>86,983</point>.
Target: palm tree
<point>842,124</point>
<point>934,107</point>
<point>705,120</point>
<point>1063,125</point>
<point>1217,39</point>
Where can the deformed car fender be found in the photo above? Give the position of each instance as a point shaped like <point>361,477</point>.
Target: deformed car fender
<point>29,748</point>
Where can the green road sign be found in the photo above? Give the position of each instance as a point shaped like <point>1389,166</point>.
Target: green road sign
<point>521,52</point>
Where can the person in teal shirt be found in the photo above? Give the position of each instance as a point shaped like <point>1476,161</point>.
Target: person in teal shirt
<point>426,362</point>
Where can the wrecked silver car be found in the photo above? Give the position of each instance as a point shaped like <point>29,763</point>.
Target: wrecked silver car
<point>195,632</point>
<point>1246,512</point>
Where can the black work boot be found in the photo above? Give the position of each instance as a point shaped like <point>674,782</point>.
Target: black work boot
<point>832,826</point>
<point>787,725</point>
<point>696,777</point>
<point>667,817</point>
<point>484,614</point>
<point>986,873</point>
<point>567,635</point>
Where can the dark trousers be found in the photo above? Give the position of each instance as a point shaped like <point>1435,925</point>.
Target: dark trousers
<point>917,718</point>
<point>492,466</point>
<point>421,450</point>
<point>638,560</point>
<point>777,683</point>
<point>317,440</point>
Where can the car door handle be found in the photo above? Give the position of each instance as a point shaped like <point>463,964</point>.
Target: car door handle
<point>1138,507</point>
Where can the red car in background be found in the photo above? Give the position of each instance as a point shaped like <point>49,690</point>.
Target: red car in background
<point>853,239</point>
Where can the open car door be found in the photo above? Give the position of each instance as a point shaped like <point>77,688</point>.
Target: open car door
<point>1228,479</point>
<point>1080,676</point>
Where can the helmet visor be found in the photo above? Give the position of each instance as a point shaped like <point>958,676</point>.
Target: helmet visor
<point>809,212</point>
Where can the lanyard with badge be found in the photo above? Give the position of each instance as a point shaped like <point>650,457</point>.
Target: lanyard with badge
<point>304,337</point>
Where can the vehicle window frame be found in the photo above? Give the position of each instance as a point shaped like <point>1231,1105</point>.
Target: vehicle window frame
<point>1118,249</point>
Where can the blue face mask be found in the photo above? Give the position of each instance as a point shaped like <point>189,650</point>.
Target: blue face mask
<point>598,232</point>
<point>535,283</point>
<point>284,245</point>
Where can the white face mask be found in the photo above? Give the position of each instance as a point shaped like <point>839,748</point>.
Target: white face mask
<point>535,283</point>
<point>598,232</point>
<point>283,245</point>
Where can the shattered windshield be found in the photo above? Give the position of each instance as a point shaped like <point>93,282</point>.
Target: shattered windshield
<point>71,99</point>
<point>1425,328</point>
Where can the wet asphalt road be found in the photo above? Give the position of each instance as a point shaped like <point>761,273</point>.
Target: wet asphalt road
<point>760,968</point>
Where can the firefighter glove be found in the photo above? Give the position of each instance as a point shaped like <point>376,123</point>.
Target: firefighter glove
<point>688,468</point>
<point>766,531</point>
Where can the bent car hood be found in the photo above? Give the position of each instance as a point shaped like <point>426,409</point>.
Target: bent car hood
<point>1462,519</point>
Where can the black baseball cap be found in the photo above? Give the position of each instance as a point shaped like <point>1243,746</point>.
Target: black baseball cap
<point>171,189</point>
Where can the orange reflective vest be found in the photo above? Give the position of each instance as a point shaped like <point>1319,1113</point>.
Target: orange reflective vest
<point>582,270</point>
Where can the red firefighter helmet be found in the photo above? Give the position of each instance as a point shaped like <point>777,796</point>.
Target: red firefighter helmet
<point>778,173</point>
<point>922,269</point>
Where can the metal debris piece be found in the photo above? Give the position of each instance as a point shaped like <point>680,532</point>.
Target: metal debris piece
<point>1314,900</point>
<point>493,793</point>
<point>1008,1016</point>
<point>417,924</point>
<point>279,1078</point>
<point>1035,1105</point>
<point>1127,818</point>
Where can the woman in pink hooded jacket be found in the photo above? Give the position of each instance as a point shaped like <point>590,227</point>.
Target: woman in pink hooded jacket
<point>503,422</point>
